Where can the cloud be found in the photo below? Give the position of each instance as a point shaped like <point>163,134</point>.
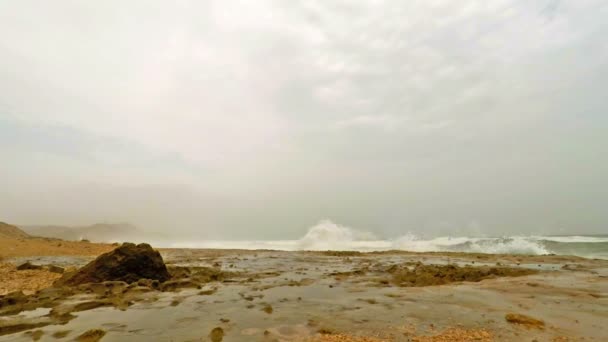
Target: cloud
<point>375,113</point>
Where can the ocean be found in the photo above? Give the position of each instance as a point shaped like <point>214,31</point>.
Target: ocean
<point>329,236</point>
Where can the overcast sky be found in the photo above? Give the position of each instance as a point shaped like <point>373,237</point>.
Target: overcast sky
<point>257,119</point>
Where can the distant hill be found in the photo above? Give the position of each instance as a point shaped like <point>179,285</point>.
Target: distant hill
<point>100,232</point>
<point>11,232</point>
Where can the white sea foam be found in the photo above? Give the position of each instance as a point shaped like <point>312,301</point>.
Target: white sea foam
<point>571,239</point>
<point>327,235</point>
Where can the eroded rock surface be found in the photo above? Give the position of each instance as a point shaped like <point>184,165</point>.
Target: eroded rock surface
<point>128,263</point>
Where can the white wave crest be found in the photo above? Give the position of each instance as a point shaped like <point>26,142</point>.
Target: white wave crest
<point>327,235</point>
<point>411,242</point>
<point>513,245</point>
<point>571,239</point>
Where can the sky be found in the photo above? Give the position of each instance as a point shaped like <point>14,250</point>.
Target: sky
<point>258,119</point>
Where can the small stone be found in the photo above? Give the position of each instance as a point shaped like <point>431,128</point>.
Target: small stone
<point>524,320</point>
<point>268,309</point>
<point>217,334</point>
<point>92,335</point>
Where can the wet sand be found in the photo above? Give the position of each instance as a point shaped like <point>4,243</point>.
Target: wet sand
<point>41,251</point>
<point>234,295</point>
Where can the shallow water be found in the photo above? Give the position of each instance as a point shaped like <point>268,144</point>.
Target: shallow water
<point>354,304</point>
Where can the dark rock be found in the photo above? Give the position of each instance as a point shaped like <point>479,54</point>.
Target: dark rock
<point>56,269</point>
<point>127,263</point>
<point>217,334</point>
<point>28,266</point>
<point>12,298</point>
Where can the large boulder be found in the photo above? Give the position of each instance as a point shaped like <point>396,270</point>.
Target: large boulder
<point>127,263</point>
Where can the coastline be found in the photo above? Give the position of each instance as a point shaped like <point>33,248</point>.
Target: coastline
<point>332,296</point>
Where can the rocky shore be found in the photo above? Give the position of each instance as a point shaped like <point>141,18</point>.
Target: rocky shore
<point>133,292</point>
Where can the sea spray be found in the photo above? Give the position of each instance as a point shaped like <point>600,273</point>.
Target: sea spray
<point>327,235</point>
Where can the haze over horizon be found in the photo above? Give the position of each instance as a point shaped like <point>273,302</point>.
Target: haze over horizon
<point>256,120</point>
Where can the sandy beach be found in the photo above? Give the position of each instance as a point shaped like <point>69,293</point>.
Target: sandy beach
<point>262,295</point>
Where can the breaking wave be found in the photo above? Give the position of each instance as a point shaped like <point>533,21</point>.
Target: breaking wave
<point>327,235</point>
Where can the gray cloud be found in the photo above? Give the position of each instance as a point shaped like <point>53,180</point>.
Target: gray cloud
<point>257,119</point>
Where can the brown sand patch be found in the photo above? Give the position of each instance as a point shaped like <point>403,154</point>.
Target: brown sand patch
<point>18,247</point>
<point>458,335</point>
<point>344,338</point>
<point>28,281</point>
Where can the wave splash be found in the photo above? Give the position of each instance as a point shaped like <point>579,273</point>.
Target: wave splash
<point>327,235</point>
<point>510,245</point>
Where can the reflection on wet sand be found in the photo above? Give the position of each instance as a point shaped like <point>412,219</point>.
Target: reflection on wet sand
<point>234,295</point>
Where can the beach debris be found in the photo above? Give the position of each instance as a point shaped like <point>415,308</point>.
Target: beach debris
<point>128,263</point>
<point>92,335</point>
<point>524,320</point>
<point>217,334</point>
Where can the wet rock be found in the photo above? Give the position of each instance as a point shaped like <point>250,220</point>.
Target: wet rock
<point>267,309</point>
<point>13,298</point>
<point>173,285</point>
<point>94,304</point>
<point>207,292</point>
<point>61,334</point>
<point>217,334</point>
<point>11,328</point>
<point>34,335</point>
<point>52,293</point>
<point>28,266</point>
<point>179,272</point>
<point>152,284</point>
<point>524,320</point>
<point>208,274</point>
<point>138,289</point>
<point>428,275</point>
<point>127,263</point>
<point>56,269</point>
<point>92,335</point>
